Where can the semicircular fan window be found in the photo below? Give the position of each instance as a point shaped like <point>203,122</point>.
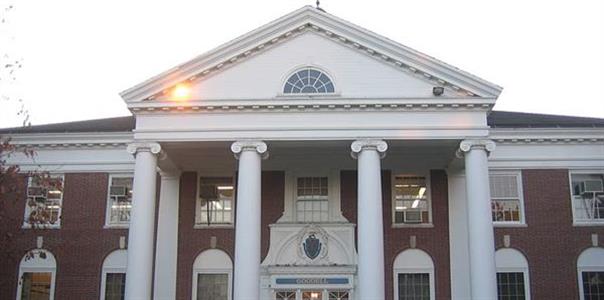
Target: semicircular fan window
<point>308,81</point>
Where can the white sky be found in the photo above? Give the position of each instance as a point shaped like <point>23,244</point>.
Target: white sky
<point>78,55</point>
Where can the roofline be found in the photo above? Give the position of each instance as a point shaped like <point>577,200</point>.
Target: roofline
<point>295,19</point>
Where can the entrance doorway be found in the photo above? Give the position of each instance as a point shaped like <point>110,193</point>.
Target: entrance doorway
<point>302,294</point>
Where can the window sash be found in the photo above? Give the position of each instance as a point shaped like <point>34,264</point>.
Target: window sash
<point>36,285</point>
<point>120,200</point>
<point>413,286</point>
<point>312,199</point>
<point>506,198</point>
<point>510,286</point>
<point>593,285</point>
<point>212,286</point>
<point>587,200</point>
<point>215,201</point>
<point>115,286</point>
<point>411,201</point>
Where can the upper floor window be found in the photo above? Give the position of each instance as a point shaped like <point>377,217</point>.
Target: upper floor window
<point>119,200</point>
<point>587,192</point>
<point>411,202</point>
<point>44,199</point>
<point>215,202</point>
<point>312,199</point>
<point>506,197</point>
<point>308,81</point>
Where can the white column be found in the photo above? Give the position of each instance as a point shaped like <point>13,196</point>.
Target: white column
<point>139,269</point>
<point>481,242</point>
<point>370,229</point>
<point>246,280</point>
<point>167,237</point>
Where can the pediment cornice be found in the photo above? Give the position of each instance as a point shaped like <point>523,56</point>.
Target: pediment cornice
<point>309,19</point>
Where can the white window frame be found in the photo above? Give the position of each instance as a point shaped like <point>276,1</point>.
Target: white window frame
<point>425,174</point>
<point>582,222</point>
<point>589,268</point>
<point>34,269</point>
<point>430,273</point>
<point>290,211</point>
<point>57,225</point>
<point>522,221</point>
<point>212,270</point>
<point>108,223</point>
<point>198,201</point>
<point>106,270</point>
<point>516,269</point>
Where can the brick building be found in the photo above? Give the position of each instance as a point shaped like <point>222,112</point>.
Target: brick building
<point>389,177</point>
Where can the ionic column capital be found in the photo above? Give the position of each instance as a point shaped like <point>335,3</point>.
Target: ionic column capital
<point>468,145</point>
<point>153,148</point>
<point>258,146</point>
<point>360,145</point>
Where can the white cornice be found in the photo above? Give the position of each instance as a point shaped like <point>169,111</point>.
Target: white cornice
<point>547,135</point>
<point>84,140</point>
<point>315,104</point>
<point>336,29</point>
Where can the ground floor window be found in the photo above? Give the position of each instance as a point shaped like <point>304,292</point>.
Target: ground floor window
<point>212,286</point>
<point>593,285</point>
<point>285,295</point>
<point>115,286</point>
<point>37,276</point>
<point>510,286</point>
<point>36,286</point>
<point>414,286</point>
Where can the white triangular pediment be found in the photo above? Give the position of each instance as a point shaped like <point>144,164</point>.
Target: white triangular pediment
<point>361,64</point>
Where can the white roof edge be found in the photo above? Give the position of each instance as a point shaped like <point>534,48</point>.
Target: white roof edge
<point>309,14</point>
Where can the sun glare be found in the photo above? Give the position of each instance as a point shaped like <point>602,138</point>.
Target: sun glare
<point>181,92</point>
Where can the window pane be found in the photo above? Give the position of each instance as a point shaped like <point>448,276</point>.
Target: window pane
<point>308,81</point>
<point>505,198</point>
<point>593,285</point>
<point>44,197</point>
<point>36,286</point>
<point>588,196</point>
<point>414,286</point>
<point>410,200</point>
<point>212,286</point>
<point>510,286</point>
<point>115,285</point>
<point>215,202</point>
<point>120,196</point>
<point>285,295</point>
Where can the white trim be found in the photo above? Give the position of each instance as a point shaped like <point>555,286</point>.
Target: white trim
<point>105,270</point>
<point>290,214</point>
<point>108,224</point>
<point>581,223</point>
<point>518,175</point>
<point>516,269</point>
<point>428,193</point>
<point>581,269</point>
<point>414,270</point>
<point>41,269</point>
<point>202,270</point>
<point>230,225</point>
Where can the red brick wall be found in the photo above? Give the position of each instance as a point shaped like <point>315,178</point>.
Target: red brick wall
<point>191,241</point>
<point>550,242</point>
<point>434,241</point>
<point>80,246</point>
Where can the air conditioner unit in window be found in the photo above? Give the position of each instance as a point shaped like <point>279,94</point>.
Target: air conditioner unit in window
<point>413,217</point>
<point>592,186</point>
<point>118,191</point>
<point>36,192</point>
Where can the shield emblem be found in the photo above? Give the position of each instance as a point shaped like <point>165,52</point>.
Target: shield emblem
<point>312,246</point>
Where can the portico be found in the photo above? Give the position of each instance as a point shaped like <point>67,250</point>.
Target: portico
<point>303,118</point>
